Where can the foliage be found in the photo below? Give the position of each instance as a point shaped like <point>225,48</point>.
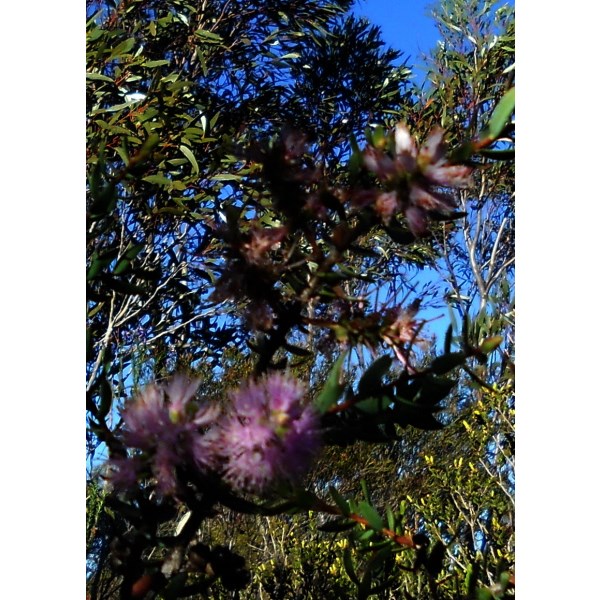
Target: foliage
<point>165,167</point>
<point>247,230</point>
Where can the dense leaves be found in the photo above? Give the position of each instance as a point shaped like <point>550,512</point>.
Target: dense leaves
<point>249,229</point>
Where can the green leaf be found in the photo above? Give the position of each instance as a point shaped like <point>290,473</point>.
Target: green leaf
<point>371,515</point>
<point>490,344</point>
<point>213,121</point>
<point>190,156</point>
<point>433,390</point>
<point>503,580</point>
<point>125,260</point>
<point>122,48</point>
<point>95,268</point>
<point>366,535</point>
<point>500,116</point>
<point>447,362</point>
<point>340,501</point>
<point>98,77</point>
<point>448,340</point>
<point>408,413</point>
<point>373,406</point>
<point>364,588</point>
<point>347,560</point>
<point>391,518</point>
<point>471,576</point>
<point>378,137</point>
<point>89,344</point>
<point>171,78</point>
<point>371,379</point>
<point>208,36</point>
<point>332,390</point>
<point>106,397</point>
<point>155,63</point>
<point>484,594</point>
<point>158,179</point>
<point>304,498</point>
<point>365,490</point>
<point>226,177</point>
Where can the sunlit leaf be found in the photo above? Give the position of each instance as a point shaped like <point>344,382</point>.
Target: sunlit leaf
<point>500,116</point>
<point>190,156</point>
<point>332,390</point>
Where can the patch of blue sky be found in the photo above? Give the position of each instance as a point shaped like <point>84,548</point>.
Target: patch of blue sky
<point>405,26</point>
<point>408,26</point>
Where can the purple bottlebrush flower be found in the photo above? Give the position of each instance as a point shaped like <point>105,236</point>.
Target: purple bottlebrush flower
<point>166,425</point>
<point>165,461</point>
<point>145,418</point>
<point>271,435</point>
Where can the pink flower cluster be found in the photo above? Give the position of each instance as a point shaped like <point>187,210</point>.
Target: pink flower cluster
<point>412,177</point>
<point>164,423</point>
<point>269,436</point>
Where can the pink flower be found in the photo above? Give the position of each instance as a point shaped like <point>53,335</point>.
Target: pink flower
<point>123,472</point>
<point>401,330</point>
<point>411,177</point>
<point>271,435</point>
<point>145,418</point>
<point>386,206</point>
<point>262,241</point>
<point>400,325</point>
<point>167,425</point>
<point>435,167</point>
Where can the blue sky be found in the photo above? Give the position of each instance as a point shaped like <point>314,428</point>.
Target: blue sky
<point>405,25</point>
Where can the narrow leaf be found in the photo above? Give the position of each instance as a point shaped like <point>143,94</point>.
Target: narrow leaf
<point>373,406</point>
<point>98,77</point>
<point>342,504</point>
<point>500,116</point>
<point>332,390</point>
<point>371,515</point>
<point>448,340</point>
<point>391,518</point>
<point>347,559</point>
<point>226,177</point>
<point>447,362</point>
<point>190,156</point>
<point>122,48</point>
<point>490,344</point>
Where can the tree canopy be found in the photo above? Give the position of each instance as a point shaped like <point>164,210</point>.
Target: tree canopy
<point>265,190</point>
